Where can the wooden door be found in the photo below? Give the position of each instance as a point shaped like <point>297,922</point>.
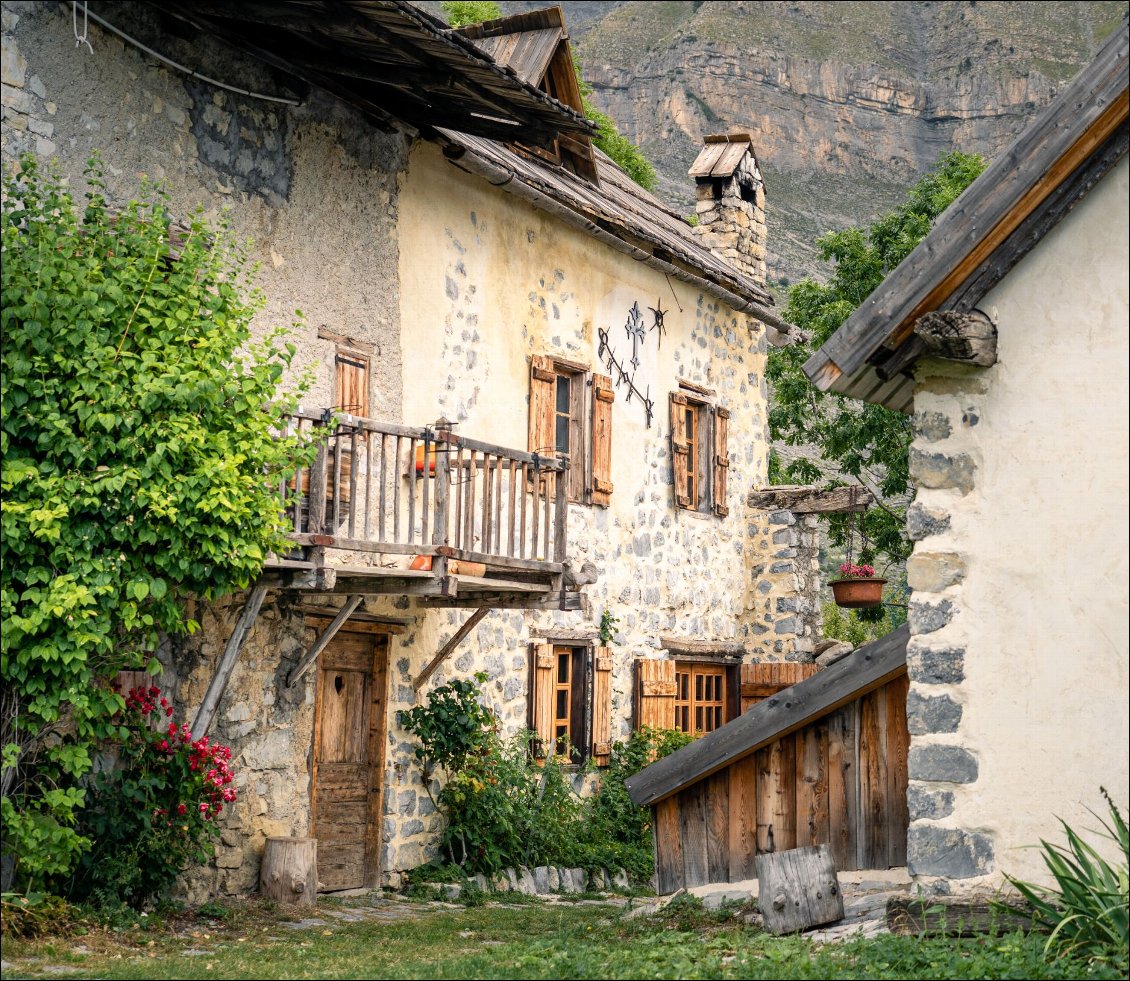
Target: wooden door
<point>349,759</point>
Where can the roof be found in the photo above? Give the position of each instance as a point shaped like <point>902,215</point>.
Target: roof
<point>862,671</point>
<point>998,219</point>
<point>618,210</point>
<point>721,154</point>
<point>390,60</point>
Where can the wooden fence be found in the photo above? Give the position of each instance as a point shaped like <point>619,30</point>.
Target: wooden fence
<point>381,487</point>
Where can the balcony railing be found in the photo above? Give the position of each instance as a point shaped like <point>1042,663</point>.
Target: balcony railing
<point>382,487</point>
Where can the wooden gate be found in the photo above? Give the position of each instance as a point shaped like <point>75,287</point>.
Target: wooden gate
<point>349,759</point>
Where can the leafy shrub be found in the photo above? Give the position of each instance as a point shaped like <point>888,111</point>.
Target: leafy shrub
<point>141,459</point>
<point>154,812</point>
<point>504,810</point>
<point>1087,910</point>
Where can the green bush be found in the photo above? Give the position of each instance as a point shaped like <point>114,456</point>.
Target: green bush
<point>502,809</point>
<point>141,459</point>
<point>1087,909</point>
<point>152,813</point>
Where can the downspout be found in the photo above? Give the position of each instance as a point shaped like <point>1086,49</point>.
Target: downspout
<point>470,162</point>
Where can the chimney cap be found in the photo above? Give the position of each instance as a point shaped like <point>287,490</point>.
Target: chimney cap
<point>722,156</point>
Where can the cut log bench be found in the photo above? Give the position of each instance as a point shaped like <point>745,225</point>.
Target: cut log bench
<point>289,873</point>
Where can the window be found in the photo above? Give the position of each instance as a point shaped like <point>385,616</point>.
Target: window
<point>351,390</point>
<point>700,459</point>
<point>571,702</point>
<point>700,697</point>
<point>695,697</point>
<point>566,420</point>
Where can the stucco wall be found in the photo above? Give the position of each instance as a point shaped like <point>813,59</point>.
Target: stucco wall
<point>1018,659</point>
<point>313,187</point>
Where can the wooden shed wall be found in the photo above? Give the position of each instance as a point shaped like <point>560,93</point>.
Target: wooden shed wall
<point>841,779</point>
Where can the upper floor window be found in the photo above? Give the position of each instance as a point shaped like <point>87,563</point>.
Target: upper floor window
<point>571,416</point>
<point>700,458</point>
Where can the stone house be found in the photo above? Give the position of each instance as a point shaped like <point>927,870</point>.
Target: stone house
<point>1005,335</point>
<point>549,395</point>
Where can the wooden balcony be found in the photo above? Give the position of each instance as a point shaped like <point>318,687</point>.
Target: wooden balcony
<point>392,509</point>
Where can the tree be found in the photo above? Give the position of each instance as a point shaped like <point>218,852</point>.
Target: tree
<point>608,138</point>
<point>854,440</point>
<point>142,458</point>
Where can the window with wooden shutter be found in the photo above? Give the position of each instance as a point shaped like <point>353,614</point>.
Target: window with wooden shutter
<point>602,706</point>
<point>721,457</point>
<point>680,451</point>
<point>701,697</point>
<point>557,422</point>
<point>351,394</point>
<point>655,694</point>
<point>603,395</point>
<point>542,678</point>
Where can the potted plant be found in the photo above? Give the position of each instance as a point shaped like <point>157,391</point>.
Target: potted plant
<point>857,587</point>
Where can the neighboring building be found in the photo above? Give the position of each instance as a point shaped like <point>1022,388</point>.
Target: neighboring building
<point>1005,333</point>
<point>486,296</point>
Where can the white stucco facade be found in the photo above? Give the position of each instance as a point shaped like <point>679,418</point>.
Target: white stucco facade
<point>1018,657</point>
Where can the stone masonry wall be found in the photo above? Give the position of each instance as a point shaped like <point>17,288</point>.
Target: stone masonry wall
<point>943,466</point>
<point>313,187</point>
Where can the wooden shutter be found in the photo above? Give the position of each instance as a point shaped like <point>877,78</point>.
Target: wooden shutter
<point>602,706</point>
<point>679,448</point>
<point>603,395</point>
<point>721,459</point>
<point>655,694</point>
<point>543,393</point>
<point>543,388</point>
<point>541,696</point>
<point>352,384</point>
<point>760,681</point>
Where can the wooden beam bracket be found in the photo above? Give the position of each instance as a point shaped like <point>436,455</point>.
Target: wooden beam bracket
<point>812,500</point>
<point>323,640</point>
<point>243,625</point>
<point>468,625</point>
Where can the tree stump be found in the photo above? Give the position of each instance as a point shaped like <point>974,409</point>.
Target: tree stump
<point>798,889</point>
<point>289,873</point>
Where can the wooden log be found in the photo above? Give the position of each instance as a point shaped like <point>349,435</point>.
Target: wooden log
<point>683,645</point>
<point>940,916</point>
<point>812,500</point>
<point>970,338</point>
<point>798,889</point>
<point>289,873</point>
<point>468,625</point>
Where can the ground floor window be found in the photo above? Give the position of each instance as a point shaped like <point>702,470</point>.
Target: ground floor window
<point>700,697</point>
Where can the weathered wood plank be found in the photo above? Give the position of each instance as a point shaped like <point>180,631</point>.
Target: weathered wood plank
<point>843,794</point>
<point>742,844</point>
<point>812,816</point>
<point>873,781</point>
<point>717,806</point>
<point>243,625</point>
<point>320,644</point>
<point>798,889</point>
<point>668,847</point>
<point>812,500</point>
<point>865,669</point>
<point>692,830</point>
<point>897,751</point>
<point>776,796</point>
<point>456,639</point>
<point>686,645</point>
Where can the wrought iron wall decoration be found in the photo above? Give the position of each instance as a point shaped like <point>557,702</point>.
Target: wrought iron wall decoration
<point>637,332</point>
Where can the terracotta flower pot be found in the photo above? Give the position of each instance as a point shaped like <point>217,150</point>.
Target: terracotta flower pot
<point>857,593</point>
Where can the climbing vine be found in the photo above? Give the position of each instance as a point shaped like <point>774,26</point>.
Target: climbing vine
<point>141,464</point>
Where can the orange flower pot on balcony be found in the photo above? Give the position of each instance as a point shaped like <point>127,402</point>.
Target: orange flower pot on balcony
<point>857,593</point>
<point>431,461</point>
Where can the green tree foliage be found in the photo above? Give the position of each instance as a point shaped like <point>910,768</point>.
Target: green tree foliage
<point>608,138</point>
<point>856,440</point>
<point>140,465</point>
<point>460,13</point>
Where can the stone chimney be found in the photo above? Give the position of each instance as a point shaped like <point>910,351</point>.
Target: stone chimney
<point>730,202</point>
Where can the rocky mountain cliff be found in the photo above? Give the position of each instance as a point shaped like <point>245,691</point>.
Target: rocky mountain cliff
<point>848,102</point>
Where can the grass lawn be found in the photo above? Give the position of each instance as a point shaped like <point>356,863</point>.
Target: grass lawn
<point>534,940</point>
